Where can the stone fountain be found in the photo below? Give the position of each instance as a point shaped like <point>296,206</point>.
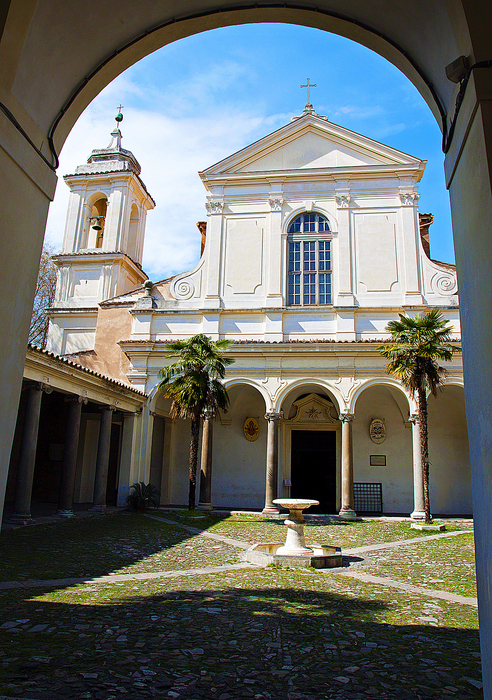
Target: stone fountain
<point>295,552</point>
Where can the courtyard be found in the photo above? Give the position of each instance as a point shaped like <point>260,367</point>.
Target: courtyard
<point>162,605</point>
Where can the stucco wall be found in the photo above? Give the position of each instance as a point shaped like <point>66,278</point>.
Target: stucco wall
<point>450,477</point>
<point>397,475</point>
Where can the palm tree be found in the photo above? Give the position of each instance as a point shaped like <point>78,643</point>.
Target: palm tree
<point>416,346</point>
<point>193,383</point>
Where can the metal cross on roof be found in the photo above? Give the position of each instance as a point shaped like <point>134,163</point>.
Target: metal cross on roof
<point>308,86</point>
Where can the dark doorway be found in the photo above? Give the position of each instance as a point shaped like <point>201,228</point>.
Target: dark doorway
<point>313,468</point>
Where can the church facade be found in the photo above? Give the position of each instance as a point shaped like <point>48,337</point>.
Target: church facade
<point>313,242</point>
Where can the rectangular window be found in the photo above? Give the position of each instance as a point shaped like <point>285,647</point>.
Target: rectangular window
<point>316,272</point>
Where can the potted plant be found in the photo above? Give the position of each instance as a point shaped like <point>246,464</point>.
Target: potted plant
<point>142,496</point>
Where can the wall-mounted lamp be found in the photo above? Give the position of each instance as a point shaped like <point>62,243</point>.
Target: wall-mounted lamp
<point>456,71</point>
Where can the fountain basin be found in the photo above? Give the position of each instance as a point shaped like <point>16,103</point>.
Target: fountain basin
<point>317,556</point>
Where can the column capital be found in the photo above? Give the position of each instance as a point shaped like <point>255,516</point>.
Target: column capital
<point>414,418</point>
<point>74,398</point>
<point>347,417</point>
<point>343,200</point>
<point>272,415</point>
<point>108,407</point>
<point>208,413</point>
<point>40,386</point>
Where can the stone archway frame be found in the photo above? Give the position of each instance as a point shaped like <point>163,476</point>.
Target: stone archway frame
<point>403,400</point>
<point>145,40</point>
<point>301,422</point>
<point>40,103</point>
<point>313,414</point>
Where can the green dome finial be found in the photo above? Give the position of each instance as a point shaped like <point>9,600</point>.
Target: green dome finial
<point>119,116</point>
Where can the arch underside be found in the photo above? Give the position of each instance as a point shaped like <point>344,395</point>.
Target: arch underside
<point>93,57</point>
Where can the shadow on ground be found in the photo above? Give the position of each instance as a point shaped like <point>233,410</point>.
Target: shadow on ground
<point>232,640</point>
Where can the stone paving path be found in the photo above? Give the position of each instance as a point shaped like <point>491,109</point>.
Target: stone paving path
<point>380,580</point>
<point>235,632</point>
<point>420,590</point>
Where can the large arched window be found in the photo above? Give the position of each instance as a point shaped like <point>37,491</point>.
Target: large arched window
<point>309,261</point>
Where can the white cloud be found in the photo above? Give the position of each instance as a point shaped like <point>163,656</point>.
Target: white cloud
<point>171,151</point>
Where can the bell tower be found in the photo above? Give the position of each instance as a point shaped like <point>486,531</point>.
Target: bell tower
<point>102,249</point>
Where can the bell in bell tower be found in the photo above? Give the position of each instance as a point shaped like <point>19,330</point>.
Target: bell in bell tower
<point>102,249</point>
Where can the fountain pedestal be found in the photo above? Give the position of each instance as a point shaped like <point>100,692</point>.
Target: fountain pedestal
<point>295,542</point>
<point>294,552</point>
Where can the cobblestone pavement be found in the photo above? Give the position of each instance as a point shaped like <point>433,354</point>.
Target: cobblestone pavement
<point>229,632</point>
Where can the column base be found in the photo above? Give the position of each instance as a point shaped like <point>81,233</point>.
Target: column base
<point>204,506</point>
<point>98,509</point>
<point>270,511</point>
<point>65,513</point>
<point>21,519</point>
<point>347,514</point>
<point>418,515</point>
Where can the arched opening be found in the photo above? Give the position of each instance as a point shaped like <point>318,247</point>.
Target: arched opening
<point>97,217</point>
<point>133,233</point>
<point>449,472</point>
<point>310,447</point>
<point>238,476</point>
<point>383,462</point>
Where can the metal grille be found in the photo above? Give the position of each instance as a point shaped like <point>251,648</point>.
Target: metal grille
<point>368,498</point>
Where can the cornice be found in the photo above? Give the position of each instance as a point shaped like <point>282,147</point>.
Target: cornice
<point>101,254</point>
<point>334,174</point>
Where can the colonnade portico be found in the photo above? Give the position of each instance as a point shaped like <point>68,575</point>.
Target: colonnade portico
<point>393,463</point>
<point>65,500</point>
<point>21,513</point>
<point>56,463</point>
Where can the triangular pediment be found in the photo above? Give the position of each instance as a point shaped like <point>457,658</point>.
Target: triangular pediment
<point>310,143</point>
<point>312,409</point>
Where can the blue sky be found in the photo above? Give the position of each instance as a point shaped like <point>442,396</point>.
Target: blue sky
<point>196,101</point>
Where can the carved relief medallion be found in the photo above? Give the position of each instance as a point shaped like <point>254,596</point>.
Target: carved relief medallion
<point>377,431</point>
<point>251,429</point>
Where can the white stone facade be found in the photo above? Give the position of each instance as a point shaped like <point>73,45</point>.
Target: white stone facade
<point>315,342</point>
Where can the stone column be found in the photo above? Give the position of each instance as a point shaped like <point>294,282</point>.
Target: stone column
<point>205,501</point>
<point>102,460</point>
<point>418,479</point>
<point>347,511</point>
<point>21,513</point>
<point>65,501</point>
<point>271,463</point>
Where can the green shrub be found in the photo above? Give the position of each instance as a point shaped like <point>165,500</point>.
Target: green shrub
<point>143,496</point>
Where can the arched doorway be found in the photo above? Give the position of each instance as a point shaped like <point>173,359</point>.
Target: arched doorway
<point>310,449</point>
